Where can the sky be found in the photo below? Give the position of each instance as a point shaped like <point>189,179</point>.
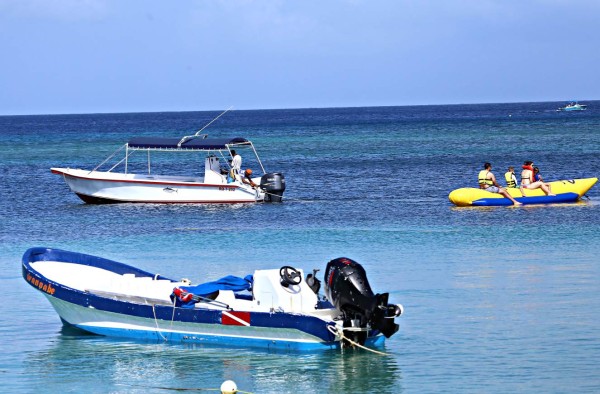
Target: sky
<point>107,56</point>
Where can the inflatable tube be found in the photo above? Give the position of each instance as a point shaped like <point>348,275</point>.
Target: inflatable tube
<point>565,190</point>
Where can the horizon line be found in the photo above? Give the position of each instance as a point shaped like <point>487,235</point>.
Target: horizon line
<point>290,108</point>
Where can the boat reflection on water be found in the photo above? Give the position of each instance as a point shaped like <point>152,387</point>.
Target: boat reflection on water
<point>116,365</point>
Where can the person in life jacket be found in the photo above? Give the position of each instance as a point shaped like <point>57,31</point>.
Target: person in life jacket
<point>511,178</point>
<point>528,180</point>
<point>487,181</point>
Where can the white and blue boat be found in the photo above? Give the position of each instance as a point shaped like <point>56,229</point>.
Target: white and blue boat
<point>274,309</point>
<point>573,106</point>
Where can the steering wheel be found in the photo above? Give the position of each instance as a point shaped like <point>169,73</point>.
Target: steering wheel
<point>289,276</point>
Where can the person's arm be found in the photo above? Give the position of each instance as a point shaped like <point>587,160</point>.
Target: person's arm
<point>493,179</point>
<point>248,181</point>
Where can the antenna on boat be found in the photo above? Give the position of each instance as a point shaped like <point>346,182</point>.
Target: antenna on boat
<point>209,123</point>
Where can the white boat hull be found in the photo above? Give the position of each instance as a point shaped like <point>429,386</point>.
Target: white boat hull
<point>107,187</point>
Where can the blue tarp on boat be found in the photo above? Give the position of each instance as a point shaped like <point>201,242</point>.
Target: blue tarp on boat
<point>229,282</point>
<point>209,289</point>
<point>192,144</point>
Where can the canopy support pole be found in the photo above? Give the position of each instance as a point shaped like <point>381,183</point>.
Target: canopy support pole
<point>107,159</point>
<point>258,158</point>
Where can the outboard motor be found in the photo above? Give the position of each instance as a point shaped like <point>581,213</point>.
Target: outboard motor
<point>273,184</point>
<point>347,288</point>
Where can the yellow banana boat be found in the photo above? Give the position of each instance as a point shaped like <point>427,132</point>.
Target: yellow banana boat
<point>565,191</point>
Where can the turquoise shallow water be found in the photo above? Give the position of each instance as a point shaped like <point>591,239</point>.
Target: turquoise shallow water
<point>496,299</point>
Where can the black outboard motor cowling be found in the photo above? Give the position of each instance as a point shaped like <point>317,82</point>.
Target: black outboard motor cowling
<point>347,288</point>
<point>273,184</point>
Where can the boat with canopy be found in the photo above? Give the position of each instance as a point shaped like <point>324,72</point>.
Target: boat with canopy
<point>217,184</point>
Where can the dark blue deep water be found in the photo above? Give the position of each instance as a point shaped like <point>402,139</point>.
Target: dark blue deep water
<point>496,299</point>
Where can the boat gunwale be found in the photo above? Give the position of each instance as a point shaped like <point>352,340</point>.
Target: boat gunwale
<point>59,171</point>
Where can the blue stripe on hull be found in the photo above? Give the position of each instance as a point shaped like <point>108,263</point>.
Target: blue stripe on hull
<point>154,336</point>
<point>500,202</point>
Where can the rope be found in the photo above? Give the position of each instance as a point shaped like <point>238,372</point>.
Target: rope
<point>179,388</point>
<point>286,198</point>
<point>339,333</point>
<point>173,316</point>
<point>156,322</point>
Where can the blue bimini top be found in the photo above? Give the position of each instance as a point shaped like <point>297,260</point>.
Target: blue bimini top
<point>190,144</point>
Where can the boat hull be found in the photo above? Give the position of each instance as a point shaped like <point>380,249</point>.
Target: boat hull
<point>120,325</point>
<point>567,191</point>
<point>96,187</point>
<point>576,107</point>
<point>157,319</point>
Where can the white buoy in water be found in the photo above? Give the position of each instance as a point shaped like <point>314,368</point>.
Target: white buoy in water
<point>229,387</point>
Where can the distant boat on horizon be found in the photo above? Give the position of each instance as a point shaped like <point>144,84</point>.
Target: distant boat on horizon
<point>573,106</point>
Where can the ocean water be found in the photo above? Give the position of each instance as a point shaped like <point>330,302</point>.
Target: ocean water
<point>496,299</point>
